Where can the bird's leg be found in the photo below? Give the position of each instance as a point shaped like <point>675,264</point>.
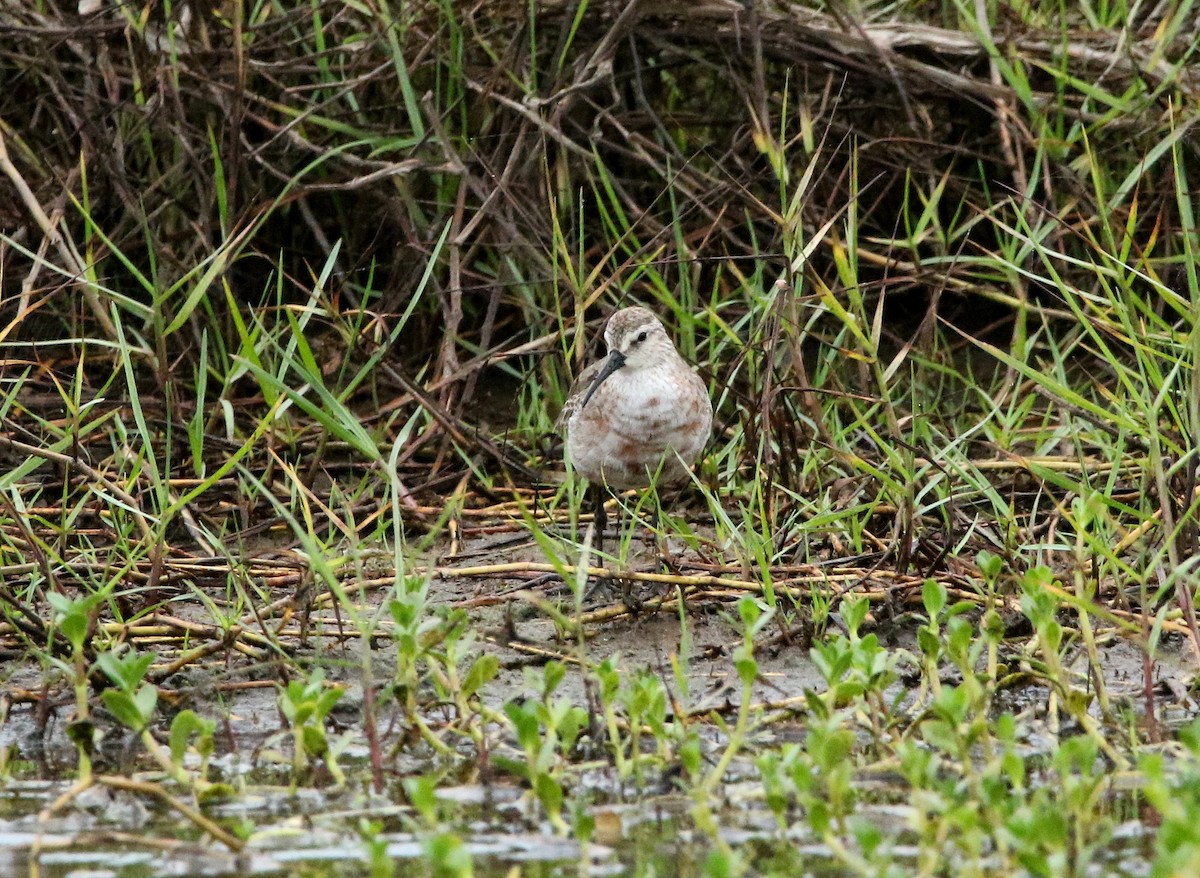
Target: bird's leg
<point>661,537</point>
<point>600,517</point>
<point>632,602</point>
<point>599,525</point>
<point>659,515</point>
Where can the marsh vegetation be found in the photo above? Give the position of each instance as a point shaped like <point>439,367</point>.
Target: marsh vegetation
<point>292,578</point>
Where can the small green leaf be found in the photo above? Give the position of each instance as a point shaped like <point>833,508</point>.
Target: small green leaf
<point>933,593</point>
<point>549,793</point>
<point>449,857</point>
<point>552,675</point>
<point>483,671</point>
<point>929,643</point>
<point>314,740</point>
<point>124,708</point>
<point>854,612</point>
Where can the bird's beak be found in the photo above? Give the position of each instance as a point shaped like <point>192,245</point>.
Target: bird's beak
<point>612,363</point>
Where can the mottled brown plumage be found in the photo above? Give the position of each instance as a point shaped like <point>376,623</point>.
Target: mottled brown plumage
<point>639,411</point>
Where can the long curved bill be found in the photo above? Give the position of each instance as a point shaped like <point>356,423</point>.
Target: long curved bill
<point>614,361</point>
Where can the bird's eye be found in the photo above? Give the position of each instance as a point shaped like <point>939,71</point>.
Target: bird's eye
<point>642,335</point>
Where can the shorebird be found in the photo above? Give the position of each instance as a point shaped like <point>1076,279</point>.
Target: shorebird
<point>638,415</point>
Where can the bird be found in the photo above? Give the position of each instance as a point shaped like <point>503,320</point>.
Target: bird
<point>637,417</point>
